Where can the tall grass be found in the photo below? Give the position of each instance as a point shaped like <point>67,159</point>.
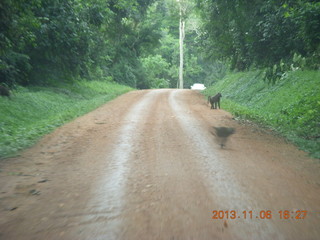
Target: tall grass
<point>291,106</point>
<point>35,111</point>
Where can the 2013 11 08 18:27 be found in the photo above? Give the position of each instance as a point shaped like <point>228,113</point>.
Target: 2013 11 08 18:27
<point>261,214</point>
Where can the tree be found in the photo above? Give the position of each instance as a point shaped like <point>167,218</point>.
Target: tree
<point>156,70</point>
<point>58,40</point>
<point>260,33</point>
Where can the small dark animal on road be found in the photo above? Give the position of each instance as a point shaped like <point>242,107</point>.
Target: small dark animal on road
<point>222,134</point>
<point>215,101</point>
<point>4,91</point>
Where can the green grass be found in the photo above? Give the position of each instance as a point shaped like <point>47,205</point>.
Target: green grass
<point>35,111</point>
<point>291,106</point>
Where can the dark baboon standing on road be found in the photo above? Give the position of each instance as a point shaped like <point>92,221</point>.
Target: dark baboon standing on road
<point>215,101</point>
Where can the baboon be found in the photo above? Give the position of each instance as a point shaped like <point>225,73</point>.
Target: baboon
<point>222,134</point>
<point>215,101</point>
<point>5,92</point>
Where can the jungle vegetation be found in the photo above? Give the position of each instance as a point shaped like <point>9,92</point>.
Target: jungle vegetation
<point>136,42</point>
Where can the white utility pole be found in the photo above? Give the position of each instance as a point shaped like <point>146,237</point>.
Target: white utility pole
<point>181,38</point>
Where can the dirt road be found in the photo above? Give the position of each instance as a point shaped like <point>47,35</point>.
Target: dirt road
<point>148,166</point>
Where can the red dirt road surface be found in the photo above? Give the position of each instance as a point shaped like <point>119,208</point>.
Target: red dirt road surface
<point>148,165</point>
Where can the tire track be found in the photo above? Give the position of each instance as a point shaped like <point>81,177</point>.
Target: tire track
<point>109,193</point>
<point>220,176</point>
<point>167,198</point>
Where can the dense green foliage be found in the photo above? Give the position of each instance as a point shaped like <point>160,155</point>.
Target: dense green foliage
<point>291,107</point>
<point>59,40</point>
<point>35,111</point>
<point>45,41</point>
<point>261,32</point>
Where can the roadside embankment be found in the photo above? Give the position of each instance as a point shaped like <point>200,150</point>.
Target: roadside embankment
<point>291,106</point>
<point>35,111</point>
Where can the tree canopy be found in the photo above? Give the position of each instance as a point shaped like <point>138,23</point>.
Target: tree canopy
<point>136,42</point>
<point>259,32</point>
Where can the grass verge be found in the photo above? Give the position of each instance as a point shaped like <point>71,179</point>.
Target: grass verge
<point>291,107</point>
<point>35,111</point>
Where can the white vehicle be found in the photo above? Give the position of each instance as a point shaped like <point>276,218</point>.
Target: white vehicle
<point>198,86</point>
